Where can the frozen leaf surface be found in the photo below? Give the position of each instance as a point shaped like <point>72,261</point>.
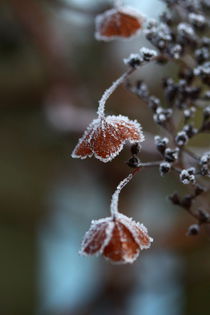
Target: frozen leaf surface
<point>121,22</point>
<point>119,239</point>
<point>106,136</point>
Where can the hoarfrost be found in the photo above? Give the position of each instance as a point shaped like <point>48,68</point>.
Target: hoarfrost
<point>147,54</point>
<point>108,92</point>
<point>188,176</point>
<point>115,196</point>
<point>133,60</point>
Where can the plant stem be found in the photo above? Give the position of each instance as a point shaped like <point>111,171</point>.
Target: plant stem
<point>110,90</point>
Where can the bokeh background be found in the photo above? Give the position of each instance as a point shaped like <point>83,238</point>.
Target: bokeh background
<point>52,73</point>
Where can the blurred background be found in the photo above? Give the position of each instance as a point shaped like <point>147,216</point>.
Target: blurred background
<point>52,74</point>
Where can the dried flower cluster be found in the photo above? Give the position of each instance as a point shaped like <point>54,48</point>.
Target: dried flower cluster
<point>179,37</point>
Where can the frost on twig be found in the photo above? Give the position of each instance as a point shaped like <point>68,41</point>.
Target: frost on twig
<point>115,197</point>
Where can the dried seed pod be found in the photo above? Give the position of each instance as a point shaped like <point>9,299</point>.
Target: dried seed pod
<point>165,167</point>
<point>135,148</point>
<point>147,54</point>
<point>161,143</point>
<point>133,162</point>
<point>188,176</point>
<point>181,138</point>
<point>171,155</point>
<point>134,60</point>
<point>194,229</point>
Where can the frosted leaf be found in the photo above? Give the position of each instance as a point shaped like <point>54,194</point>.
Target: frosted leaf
<point>120,22</point>
<point>97,237</point>
<point>105,137</point>
<point>119,239</point>
<point>138,230</point>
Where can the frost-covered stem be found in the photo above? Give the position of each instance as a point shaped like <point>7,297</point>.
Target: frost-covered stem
<point>110,90</point>
<point>115,196</point>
